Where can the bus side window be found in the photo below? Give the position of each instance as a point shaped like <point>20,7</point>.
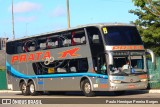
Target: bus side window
<point>43,46</point>
<point>11,49</point>
<point>95,64</point>
<point>102,65</point>
<point>83,40</point>
<point>61,70</point>
<point>52,42</point>
<point>67,42</point>
<point>65,39</point>
<point>77,40</point>
<point>73,65</point>
<point>78,65</point>
<point>78,37</point>
<point>56,43</point>
<point>19,48</point>
<point>95,38</point>
<point>73,69</point>
<point>83,65</point>
<point>72,38</point>
<point>47,42</point>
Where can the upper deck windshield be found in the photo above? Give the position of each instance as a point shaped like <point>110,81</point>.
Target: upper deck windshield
<point>122,35</point>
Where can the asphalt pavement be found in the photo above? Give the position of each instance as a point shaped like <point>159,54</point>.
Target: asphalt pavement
<point>143,91</point>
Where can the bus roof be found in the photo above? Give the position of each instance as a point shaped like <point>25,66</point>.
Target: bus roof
<point>77,27</point>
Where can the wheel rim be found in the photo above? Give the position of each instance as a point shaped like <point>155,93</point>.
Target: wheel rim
<point>87,88</point>
<point>32,88</point>
<point>24,88</point>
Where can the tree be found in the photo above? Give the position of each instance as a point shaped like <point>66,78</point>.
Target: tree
<point>148,22</point>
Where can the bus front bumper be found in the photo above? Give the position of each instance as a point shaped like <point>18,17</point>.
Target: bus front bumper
<point>127,86</point>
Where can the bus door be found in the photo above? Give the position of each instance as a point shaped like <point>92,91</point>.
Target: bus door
<point>102,66</point>
<point>96,47</point>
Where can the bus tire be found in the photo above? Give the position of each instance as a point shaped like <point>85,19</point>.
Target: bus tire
<point>118,93</point>
<point>24,88</point>
<point>86,88</point>
<point>32,90</point>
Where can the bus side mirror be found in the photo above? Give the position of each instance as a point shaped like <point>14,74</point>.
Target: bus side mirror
<point>152,56</point>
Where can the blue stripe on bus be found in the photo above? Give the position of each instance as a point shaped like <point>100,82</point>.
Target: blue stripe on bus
<point>18,74</point>
<point>40,82</point>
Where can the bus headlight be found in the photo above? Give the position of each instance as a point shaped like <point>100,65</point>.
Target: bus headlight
<point>116,81</point>
<point>143,80</point>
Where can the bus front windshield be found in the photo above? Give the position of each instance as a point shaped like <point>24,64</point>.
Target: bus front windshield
<point>127,65</point>
<point>122,35</point>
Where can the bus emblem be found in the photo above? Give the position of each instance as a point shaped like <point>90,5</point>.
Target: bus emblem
<point>131,80</point>
<point>70,52</point>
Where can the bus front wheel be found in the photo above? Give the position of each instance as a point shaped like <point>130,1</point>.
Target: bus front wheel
<point>32,90</point>
<point>24,88</point>
<point>86,88</point>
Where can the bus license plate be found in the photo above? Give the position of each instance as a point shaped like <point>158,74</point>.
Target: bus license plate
<point>131,86</point>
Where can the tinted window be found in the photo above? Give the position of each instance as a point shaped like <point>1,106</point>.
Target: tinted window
<point>118,35</point>
<point>10,49</point>
<point>61,66</point>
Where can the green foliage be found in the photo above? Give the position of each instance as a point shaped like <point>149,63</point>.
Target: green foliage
<point>148,23</point>
<point>140,3</point>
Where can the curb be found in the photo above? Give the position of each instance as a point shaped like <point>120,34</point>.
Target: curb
<point>154,91</point>
<point>147,91</point>
<point>9,91</point>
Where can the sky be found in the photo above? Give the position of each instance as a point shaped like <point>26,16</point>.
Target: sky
<point>39,16</point>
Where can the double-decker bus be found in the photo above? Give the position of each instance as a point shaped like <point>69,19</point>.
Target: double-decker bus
<point>87,58</point>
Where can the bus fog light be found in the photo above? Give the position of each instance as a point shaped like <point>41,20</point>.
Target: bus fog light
<point>116,81</point>
<point>95,85</point>
<point>143,80</point>
<point>114,87</point>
